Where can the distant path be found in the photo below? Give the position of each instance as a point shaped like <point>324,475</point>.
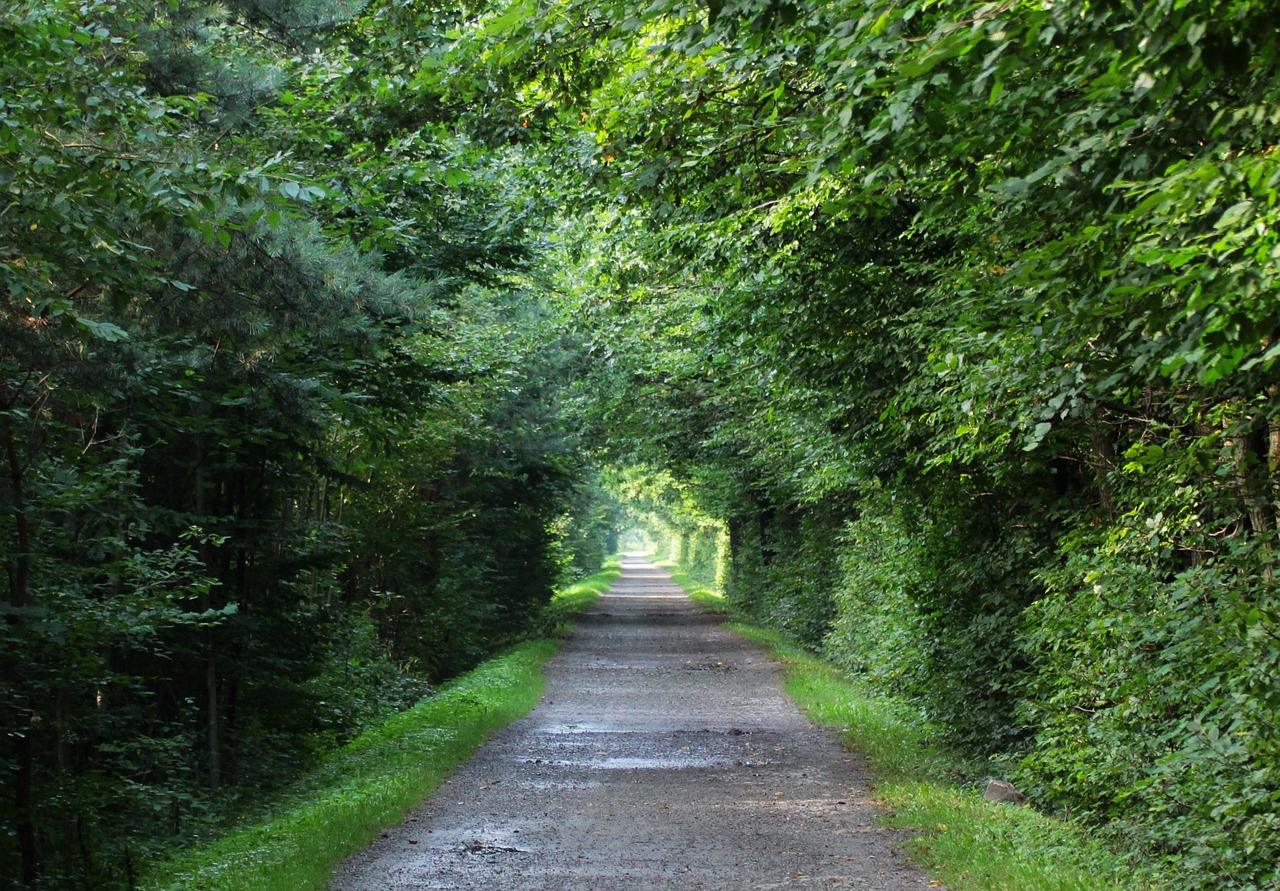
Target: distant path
<point>663,756</point>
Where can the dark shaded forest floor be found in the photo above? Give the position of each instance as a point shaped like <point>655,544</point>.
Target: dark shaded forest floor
<point>663,755</point>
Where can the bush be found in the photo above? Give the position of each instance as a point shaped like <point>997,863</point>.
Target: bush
<point>928,603</point>
<point>1155,700</point>
<point>878,632</point>
<point>783,574</point>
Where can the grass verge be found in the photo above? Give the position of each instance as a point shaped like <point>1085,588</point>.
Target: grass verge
<point>963,840</point>
<point>558,616</point>
<point>967,842</point>
<point>371,783</point>
<point>703,596</point>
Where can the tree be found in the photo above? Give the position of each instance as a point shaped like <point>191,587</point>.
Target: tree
<point>995,278</point>
<point>241,285</point>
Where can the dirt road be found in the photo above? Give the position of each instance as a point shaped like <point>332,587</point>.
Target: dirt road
<point>663,756</point>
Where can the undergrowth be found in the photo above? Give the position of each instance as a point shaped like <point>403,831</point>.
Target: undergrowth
<point>371,783</point>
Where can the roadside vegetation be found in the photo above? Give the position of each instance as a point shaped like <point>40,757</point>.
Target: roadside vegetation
<point>946,335</point>
<point>964,840</point>
<point>942,336</point>
<point>371,782</point>
<point>961,838</point>
<point>283,422</point>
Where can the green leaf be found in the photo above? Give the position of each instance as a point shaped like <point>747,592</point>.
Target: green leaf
<point>456,176</point>
<point>1235,215</point>
<point>106,331</point>
<point>1037,436</point>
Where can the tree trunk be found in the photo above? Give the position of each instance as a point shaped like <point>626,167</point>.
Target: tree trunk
<point>211,707</point>
<point>1273,457</point>
<point>213,745</point>
<point>765,519</point>
<point>1102,458</point>
<point>19,572</point>
<point>1253,472</point>
<point>735,539</point>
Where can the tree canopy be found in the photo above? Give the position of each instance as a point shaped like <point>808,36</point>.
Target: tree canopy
<point>279,410</point>
<point>944,333</point>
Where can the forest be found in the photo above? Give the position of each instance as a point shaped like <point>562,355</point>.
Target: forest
<point>336,334</point>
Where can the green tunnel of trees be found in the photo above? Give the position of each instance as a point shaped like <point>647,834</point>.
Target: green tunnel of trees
<point>335,332</point>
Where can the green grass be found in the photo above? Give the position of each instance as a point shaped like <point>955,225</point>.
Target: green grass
<point>703,596</point>
<point>965,841</point>
<point>558,616</point>
<point>373,781</point>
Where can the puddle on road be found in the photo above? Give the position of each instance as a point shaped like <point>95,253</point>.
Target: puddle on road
<point>575,729</point>
<point>605,756</point>
<point>558,785</point>
<point>678,761</point>
<point>600,761</point>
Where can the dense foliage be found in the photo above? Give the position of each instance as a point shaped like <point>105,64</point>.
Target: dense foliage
<point>961,318</point>
<point>278,408</point>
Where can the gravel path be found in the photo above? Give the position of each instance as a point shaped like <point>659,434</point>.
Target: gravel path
<point>663,756</point>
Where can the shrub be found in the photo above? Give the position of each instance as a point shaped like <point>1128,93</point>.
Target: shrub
<point>1154,696</point>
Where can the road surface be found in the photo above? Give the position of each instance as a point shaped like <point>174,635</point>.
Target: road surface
<point>663,756</point>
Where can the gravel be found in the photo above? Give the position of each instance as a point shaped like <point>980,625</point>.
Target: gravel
<point>663,756</point>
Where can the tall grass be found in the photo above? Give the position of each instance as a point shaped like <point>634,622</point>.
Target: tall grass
<point>373,781</point>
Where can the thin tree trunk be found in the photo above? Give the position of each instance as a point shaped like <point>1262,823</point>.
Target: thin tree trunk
<point>211,708</point>
<point>1102,458</point>
<point>213,745</point>
<point>735,539</point>
<point>1273,457</point>
<point>1253,472</point>
<point>19,571</point>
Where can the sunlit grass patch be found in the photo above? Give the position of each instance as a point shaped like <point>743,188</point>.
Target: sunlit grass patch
<point>567,603</point>
<point>704,597</point>
<point>971,843</point>
<point>369,784</point>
